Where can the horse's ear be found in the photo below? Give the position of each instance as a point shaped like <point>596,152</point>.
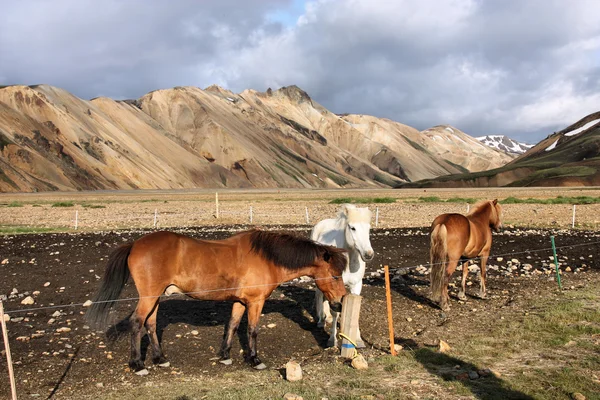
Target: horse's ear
<point>326,256</point>
<point>495,201</point>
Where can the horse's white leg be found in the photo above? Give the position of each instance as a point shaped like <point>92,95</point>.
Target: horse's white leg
<point>319,308</point>
<point>332,342</point>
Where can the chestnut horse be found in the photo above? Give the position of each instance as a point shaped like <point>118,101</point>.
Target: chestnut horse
<point>244,268</point>
<point>457,238</point>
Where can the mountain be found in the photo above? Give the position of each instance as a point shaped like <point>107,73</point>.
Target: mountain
<point>570,157</point>
<point>186,137</point>
<point>505,144</point>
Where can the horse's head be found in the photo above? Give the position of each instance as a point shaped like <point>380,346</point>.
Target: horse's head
<point>358,226</point>
<point>496,215</point>
<point>328,275</point>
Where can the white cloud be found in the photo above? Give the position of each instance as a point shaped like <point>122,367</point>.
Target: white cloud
<point>523,68</point>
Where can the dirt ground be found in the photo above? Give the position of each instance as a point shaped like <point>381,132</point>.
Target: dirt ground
<point>57,356</point>
<point>187,208</point>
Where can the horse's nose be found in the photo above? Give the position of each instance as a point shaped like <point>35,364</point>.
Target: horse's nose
<point>336,306</point>
<point>369,255</point>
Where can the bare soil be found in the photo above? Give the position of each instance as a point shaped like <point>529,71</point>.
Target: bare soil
<point>53,362</point>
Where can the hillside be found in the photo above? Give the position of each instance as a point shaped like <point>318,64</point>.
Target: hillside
<point>186,137</point>
<point>570,157</point>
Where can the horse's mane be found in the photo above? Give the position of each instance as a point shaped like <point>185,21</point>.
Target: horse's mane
<point>354,214</point>
<point>481,205</point>
<point>294,252</point>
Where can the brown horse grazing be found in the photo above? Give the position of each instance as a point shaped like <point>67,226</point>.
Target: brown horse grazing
<point>244,268</point>
<point>457,238</point>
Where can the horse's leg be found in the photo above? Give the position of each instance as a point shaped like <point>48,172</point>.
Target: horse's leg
<point>465,271</point>
<point>138,318</point>
<point>157,354</point>
<point>482,290</point>
<point>237,312</point>
<point>254,310</point>
<point>319,308</point>
<point>452,263</point>
<point>332,342</point>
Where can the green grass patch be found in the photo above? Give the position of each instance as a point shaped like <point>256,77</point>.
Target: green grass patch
<point>12,229</point>
<point>362,200</point>
<point>93,206</point>
<point>556,200</point>
<point>15,204</point>
<point>63,204</point>
<point>430,199</point>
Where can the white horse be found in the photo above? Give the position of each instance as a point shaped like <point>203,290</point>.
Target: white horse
<point>350,231</point>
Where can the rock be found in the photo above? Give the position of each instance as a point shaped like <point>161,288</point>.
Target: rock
<point>18,319</point>
<point>359,362</point>
<point>473,375</point>
<point>398,348</point>
<point>484,372</point>
<point>36,293</point>
<point>568,269</point>
<point>87,303</point>
<point>100,385</point>
<point>6,317</point>
<point>46,284</point>
<point>271,326</point>
<point>444,347</point>
<point>409,319</point>
<point>194,332</point>
<point>5,261</point>
<point>293,371</point>
<point>51,321</point>
<point>28,301</point>
<point>292,396</point>
<point>56,314</point>
<point>499,259</point>
<point>63,329</point>
<point>463,377</point>
<point>14,291</point>
<point>577,396</point>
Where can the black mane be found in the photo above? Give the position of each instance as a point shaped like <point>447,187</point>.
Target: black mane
<point>294,252</point>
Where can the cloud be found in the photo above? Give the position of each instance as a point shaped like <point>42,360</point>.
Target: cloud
<point>522,68</point>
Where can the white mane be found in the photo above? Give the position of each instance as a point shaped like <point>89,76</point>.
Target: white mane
<point>354,214</point>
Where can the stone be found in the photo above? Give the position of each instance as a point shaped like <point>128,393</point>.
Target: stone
<point>293,371</point>
<point>28,301</point>
<point>5,261</point>
<point>398,348</point>
<point>46,284</point>
<point>87,303</point>
<point>271,326</point>
<point>194,332</point>
<point>56,314</point>
<point>359,362</point>
<point>577,396</point>
<point>51,321</point>
<point>6,317</point>
<point>444,347</point>
<point>292,396</point>
<point>473,375</point>
<point>463,377</point>
<point>18,319</point>
<point>409,319</point>
<point>63,329</point>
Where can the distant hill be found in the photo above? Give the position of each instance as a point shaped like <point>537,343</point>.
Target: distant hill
<point>505,144</point>
<point>186,137</point>
<point>570,157</point>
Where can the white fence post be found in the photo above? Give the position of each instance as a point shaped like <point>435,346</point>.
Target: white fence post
<point>573,223</point>
<point>217,204</point>
<point>76,219</point>
<point>250,214</point>
<point>468,207</point>
<point>155,216</point>
<point>376,217</point>
<point>306,211</point>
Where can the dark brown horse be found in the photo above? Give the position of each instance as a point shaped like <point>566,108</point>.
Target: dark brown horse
<point>244,268</point>
<point>457,238</point>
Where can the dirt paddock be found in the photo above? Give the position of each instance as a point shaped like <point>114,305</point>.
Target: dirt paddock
<point>57,356</point>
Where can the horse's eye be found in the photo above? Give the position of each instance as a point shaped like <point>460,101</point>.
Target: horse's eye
<point>336,277</point>
<point>352,228</point>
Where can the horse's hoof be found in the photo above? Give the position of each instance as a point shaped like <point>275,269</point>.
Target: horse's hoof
<point>142,372</point>
<point>165,364</point>
<point>321,324</point>
<point>228,361</point>
<point>462,296</point>
<point>260,366</point>
<point>483,296</point>
<point>360,344</point>
<point>332,343</point>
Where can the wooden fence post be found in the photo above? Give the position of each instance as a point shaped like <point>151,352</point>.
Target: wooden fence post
<point>217,205</point>
<point>11,374</point>
<point>349,323</point>
<point>388,296</point>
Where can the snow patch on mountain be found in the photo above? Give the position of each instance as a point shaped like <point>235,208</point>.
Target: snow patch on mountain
<point>505,144</point>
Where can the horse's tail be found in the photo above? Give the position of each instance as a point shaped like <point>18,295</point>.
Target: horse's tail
<point>115,278</point>
<point>438,255</point>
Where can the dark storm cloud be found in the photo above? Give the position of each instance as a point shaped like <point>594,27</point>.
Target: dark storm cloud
<point>522,68</point>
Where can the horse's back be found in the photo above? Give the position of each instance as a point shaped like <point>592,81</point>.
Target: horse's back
<point>326,232</point>
<point>458,231</point>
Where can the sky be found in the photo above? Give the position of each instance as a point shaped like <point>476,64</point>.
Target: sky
<point>523,68</point>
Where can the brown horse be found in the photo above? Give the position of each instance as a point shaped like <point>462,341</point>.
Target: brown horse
<point>457,238</point>
<point>244,268</point>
